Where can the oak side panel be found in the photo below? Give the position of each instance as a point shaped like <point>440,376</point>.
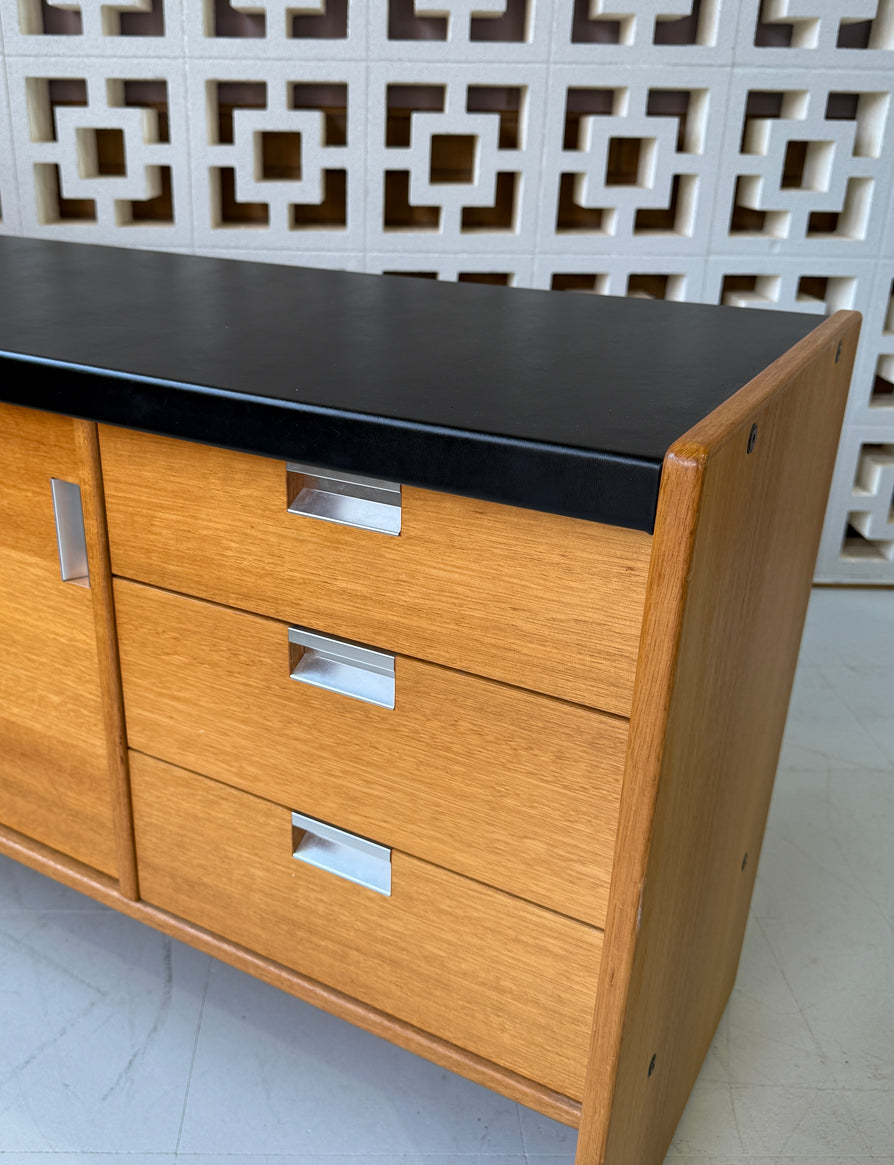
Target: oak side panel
<point>543,602</point>
<point>735,546</point>
<point>104,889</point>
<point>87,446</point>
<point>54,783</point>
<point>510,981</point>
<point>506,786</point>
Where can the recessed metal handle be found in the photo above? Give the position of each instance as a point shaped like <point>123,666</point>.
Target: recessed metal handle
<point>346,499</point>
<point>351,857</point>
<point>338,665</point>
<point>71,538</point>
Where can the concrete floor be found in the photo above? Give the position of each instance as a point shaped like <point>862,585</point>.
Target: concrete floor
<point>118,1045</point>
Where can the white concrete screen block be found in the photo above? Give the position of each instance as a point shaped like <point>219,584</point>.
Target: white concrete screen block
<point>646,31</point>
<point>818,31</point>
<point>101,150</point>
<point>278,158</point>
<point>120,28</point>
<point>810,165</point>
<point>733,151</point>
<point>454,157</point>
<point>296,30</point>
<point>630,157</point>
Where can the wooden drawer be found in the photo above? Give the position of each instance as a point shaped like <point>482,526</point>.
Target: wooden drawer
<point>543,602</point>
<point>505,979</point>
<point>506,786</point>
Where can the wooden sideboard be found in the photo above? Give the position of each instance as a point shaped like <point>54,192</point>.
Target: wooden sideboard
<point>424,651</point>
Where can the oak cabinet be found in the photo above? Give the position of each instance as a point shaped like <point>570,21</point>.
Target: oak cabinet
<point>433,669</point>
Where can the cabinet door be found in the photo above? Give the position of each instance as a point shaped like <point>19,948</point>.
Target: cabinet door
<point>54,780</point>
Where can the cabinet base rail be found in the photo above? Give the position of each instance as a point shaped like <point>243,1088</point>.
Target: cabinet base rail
<point>105,890</point>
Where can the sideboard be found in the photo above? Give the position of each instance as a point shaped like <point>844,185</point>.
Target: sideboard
<point>421,649</point>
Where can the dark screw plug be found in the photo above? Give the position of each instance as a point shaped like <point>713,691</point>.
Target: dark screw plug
<point>752,438</point>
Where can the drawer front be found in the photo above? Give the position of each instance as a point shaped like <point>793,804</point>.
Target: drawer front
<point>498,783</point>
<point>54,784</point>
<point>546,603</point>
<point>488,972</point>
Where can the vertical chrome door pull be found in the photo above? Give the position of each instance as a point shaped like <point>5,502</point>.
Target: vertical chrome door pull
<point>71,537</point>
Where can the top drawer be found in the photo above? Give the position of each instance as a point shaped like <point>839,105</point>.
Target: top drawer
<point>544,602</point>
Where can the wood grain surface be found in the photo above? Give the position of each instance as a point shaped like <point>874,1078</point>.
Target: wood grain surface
<point>104,889</point>
<point>543,602</point>
<point>87,446</point>
<point>735,545</point>
<point>54,783</point>
<point>509,981</point>
<point>512,788</point>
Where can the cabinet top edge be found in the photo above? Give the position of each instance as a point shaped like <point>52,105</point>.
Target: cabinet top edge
<point>562,403</point>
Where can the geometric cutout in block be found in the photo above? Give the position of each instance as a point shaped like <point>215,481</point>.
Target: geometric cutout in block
<point>331,212</point>
<point>822,294</point>
<point>459,20</point>
<point>811,24</point>
<point>882,396</point>
<point>278,154</point>
<point>446,160</point>
<point>226,209</point>
<point>646,286</point>
<point>400,214</point>
<point>45,97</point>
<point>750,290</point>
<point>642,22</point>
<point>637,284</point>
<point>630,162</point>
<point>276,19</point>
<point>882,393</point>
<point>568,281</point>
<point>583,103</point>
<point>806,164</point>
<point>224,98</point>
<point>453,158</point>
<point>506,101</point>
<point>402,101</point>
<point>103,160</point>
<point>871,518</point>
<point>490,278</point>
<point>501,216</point>
<point>413,274</point>
<point>826,293</point>
<point>52,206</point>
<point>92,18</point>
<point>652,159</point>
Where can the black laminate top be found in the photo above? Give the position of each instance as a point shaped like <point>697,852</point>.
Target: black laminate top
<point>558,402</point>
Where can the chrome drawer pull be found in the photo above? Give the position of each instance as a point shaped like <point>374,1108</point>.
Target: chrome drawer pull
<point>71,538</point>
<point>347,500</point>
<point>345,854</point>
<point>344,667</point>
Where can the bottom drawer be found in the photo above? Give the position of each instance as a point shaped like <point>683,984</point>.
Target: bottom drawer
<point>507,980</point>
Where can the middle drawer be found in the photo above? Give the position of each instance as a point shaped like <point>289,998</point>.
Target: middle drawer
<point>509,787</point>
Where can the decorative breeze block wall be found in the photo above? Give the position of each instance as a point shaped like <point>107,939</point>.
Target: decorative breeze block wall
<point>730,152</point>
